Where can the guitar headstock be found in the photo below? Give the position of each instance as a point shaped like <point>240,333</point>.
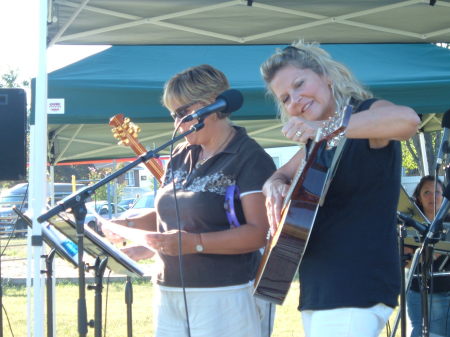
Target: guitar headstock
<point>333,129</point>
<point>123,129</point>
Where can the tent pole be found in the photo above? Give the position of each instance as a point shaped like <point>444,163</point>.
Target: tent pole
<point>38,167</point>
<point>426,170</point>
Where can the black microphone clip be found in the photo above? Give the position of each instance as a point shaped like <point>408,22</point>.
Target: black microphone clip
<point>408,221</point>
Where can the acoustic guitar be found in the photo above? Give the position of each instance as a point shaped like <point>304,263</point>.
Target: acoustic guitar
<point>127,133</point>
<point>285,249</point>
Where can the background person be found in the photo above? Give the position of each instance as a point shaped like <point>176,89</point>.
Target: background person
<point>219,261</point>
<point>429,200</point>
<point>348,285</point>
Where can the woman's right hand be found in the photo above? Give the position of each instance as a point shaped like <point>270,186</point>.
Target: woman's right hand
<point>137,252</point>
<point>109,233</point>
<point>275,189</point>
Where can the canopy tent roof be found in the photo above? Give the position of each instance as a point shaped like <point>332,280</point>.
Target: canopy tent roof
<point>130,79</point>
<point>136,22</point>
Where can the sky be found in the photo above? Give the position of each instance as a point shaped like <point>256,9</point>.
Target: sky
<point>19,41</point>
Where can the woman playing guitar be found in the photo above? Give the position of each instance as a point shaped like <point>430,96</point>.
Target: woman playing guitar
<point>349,280</point>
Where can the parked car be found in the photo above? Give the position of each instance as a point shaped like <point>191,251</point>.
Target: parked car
<point>103,208</point>
<point>127,202</point>
<point>145,202</point>
<point>18,196</point>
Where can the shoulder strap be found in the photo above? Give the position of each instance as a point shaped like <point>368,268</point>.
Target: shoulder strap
<point>364,105</point>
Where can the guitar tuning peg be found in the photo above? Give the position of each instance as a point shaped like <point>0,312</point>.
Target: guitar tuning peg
<point>135,135</point>
<point>126,141</point>
<point>113,130</point>
<point>138,129</point>
<point>119,129</point>
<point>126,120</point>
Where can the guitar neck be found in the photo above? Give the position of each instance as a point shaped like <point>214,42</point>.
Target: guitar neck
<point>152,164</point>
<point>126,131</point>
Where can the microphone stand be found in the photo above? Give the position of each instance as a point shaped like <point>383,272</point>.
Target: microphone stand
<point>76,202</point>
<point>405,283</point>
<point>99,269</point>
<point>401,247</point>
<point>129,302</point>
<point>49,290</point>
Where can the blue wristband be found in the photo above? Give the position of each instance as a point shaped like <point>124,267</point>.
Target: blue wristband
<point>231,194</point>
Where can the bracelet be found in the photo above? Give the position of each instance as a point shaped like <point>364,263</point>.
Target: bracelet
<point>231,194</point>
<point>199,248</point>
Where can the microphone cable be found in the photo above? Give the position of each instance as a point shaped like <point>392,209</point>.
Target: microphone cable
<point>7,318</point>
<point>106,302</point>
<point>15,222</point>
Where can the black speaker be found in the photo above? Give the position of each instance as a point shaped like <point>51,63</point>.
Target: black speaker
<point>13,112</point>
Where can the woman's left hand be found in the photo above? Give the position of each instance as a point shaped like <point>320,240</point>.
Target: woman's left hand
<point>301,130</point>
<point>167,243</point>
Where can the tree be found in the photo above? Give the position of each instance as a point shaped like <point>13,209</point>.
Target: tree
<point>64,173</point>
<point>9,80</point>
<point>412,153</point>
<point>96,174</point>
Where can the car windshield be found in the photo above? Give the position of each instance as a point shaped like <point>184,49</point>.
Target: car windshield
<point>146,201</point>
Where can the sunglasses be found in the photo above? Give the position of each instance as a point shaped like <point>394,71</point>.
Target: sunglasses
<point>182,111</point>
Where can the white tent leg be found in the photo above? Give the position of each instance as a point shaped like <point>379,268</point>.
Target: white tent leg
<point>51,191</point>
<point>38,167</point>
<point>426,169</point>
<point>28,283</point>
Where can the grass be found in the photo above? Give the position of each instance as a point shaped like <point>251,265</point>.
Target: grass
<point>287,320</point>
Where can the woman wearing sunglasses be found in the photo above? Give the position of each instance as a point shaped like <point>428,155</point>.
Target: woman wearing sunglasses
<point>219,260</point>
<point>349,279</point>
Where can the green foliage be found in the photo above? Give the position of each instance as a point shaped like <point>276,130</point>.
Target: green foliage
<point>96,174</point>
<point>64,173</point>
<point>409,163</point>
<point>413,155</point>
<point>10,80</point>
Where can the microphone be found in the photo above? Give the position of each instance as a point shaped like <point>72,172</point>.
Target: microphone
<point>410,222</point>
<point>443,148</point>
<point>227,102</point>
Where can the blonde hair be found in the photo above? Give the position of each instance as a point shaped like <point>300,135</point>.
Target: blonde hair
<point>311,56</point>
<point>202,83</point>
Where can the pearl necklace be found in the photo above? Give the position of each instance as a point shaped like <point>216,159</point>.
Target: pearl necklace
<point>202,159</point>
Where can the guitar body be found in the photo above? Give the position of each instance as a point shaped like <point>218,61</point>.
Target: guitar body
<point>285,250</point>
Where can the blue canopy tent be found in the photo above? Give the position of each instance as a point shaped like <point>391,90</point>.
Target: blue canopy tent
<point>142,22</point>
<point>130,79</point>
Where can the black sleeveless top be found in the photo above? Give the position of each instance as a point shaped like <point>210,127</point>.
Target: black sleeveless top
<point>352,257</point>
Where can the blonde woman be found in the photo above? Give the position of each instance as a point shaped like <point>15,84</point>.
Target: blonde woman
<point>349,275</point>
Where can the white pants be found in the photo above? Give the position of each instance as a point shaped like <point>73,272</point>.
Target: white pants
<point>346,322</point>
<point>266,311</point>
<point>213,312</point>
